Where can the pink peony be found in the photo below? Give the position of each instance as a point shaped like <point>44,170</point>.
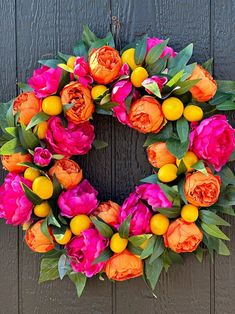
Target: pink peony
<point>151,42</point>
<point>80,200</point>
<point>213,141</point>
<point>42,156</point>
<point>161,81</point>
<point>14,205</point>
<point>84,249</point>
<point>45,81</point>
<point>76,139</point>
<point>125,70</point>
<point>81,69</point>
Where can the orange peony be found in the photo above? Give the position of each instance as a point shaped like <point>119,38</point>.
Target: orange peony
<point>182,236</point>
<point>108,212</point>
<point>36,240</point>
<point>123,266</point>
<point>159,155</point>
<point>10,162</point>
<point>105,64</point>
<point>202,190</point>
<point>146,115</point>
<point>80,96</point>
<point>28,105</point>
<point>206,88</point>
<point>67,172</point>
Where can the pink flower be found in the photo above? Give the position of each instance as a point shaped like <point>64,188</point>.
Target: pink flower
<point>81,69</point>
<point>14,205</point>
<point>76,139</point>
<point>152,42</point>
<point>161,81</point>
<point>80,200</point>
<point>45,81</point>
<point>213,141</point>
<point>82,250</point>
<point>125,70</point>
<point>42,156</point>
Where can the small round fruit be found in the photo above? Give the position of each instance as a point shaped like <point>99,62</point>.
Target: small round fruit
<point>43,187</point>
<point>98,91</point>
<point>189,159</point>
<point>159,224</point>
<point>138,76</point>
<point>79,223</point>
<point>128,57</point>
<point>193,113</point>
<point>172,108</point>
<point>70,62</point>
<point>189,213</point>
<point>167,173</point>
<point>66,238</point>
<point>118,244</point>
<point>40,130</point>
<point>52,105</point>
<point>42,210</point>
<point>31,174</point>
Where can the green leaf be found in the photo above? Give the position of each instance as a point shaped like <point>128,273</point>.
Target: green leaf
<point>140,50</point>
<point>158,66</point>
<point>170,192</point>
<point>80,50</point>
<point>181,184</point>
<point>177,63</point>
<point>105,255</point>
<point>59,230</point>
<point>162,136</point>
<point>64,80</point>
<point>100,42</point>
<point>125,227</point>
<point>211,218</point>
<point>199,254</point>
<point>39,117</point>
<point>148,250</point>
<point>227,105</point>
<point>214,231</point>
<point>63,266</point>
<point>152,271</point>
<point>139,239</point>
<point>88,37</point>
<point>227,175</point>
<point>27,138</point>
<point>185,86</point>
<point>79,280</point>
<point>48,269</point>
<point>208,65</point>
<point>24,87</point>
<point>175,257</point>
<point>182,127</point>
<point>169,212</point>
<point>51,63</point>
<point>226,86</point>
<point>177,148</point>
<point>182,168</point>
<point>175,78</point>
<point>188,69</point>
<point>64,57</point>
<point>32,197</point>
<point>153,88</point>
<point>10,117</point>
<point>45,230</point>
<point>13,131</point>
<point>228,210</point>
<point>155,53</point>
<point>219,98</point>
<point>150,179</point>
<point>33,166</point>
<point>5,138</point>
<point>158,249</point>
<point>199,166</point>
<point>134,249</point>
<point>11,147</point>
<point>223,249</point>
<point>57,189</point>
<point>102,227</point>
<point>98,144</point>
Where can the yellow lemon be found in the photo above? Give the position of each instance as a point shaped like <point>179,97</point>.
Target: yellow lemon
<point>31,174</point>
<point>172,108</point>
<point>42,210</point>
<point>189,213</point>
<point>40,130</point>
<point>52,105</point>
<point>66,238</point>
<point>79,223</point>
<point>138,76</point>
<point>43,187</point>
<point>193,113</point>
<point>70,61</point>
<point>189,159</point>
<point>98,91</point>
<point>167,173</point>
<point>159,224</point>
<point>128,57</point>
<point>118,244</point>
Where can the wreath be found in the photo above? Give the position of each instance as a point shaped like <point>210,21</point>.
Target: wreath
<point>176,210</point>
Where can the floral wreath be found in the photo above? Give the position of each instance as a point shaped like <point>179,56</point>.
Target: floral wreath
<point>152,89</point>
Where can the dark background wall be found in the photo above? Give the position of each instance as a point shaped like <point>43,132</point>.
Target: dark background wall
<point>32,29</point>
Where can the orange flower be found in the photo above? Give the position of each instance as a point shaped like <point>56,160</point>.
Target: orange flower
<point>80,96</point>
<point>202,190</point>
<point>105,64</point>
<point>123,266</point>
<point>108,212</point>
<point>182,236</point>
<point>67,172</point>
<point>206,88</point>
<point>36,240</point>
<point>146,115</point>
<point>159,155</point>
<point>28,105</point>
<point>10,162</point>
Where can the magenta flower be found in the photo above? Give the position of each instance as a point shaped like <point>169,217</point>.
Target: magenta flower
<point>76,139</point>
<point>124,70</point>
<point>82,250</point>
<point>14,205</point>
<point>213,141</point>
<point>42,156</point>
<point>81,69</point>
<point>161,81</point>
<point>80,200</point>
<point>45,81</point>
<point>152,42</point>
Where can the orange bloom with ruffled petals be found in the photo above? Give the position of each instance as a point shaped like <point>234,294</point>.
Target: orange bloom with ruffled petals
<point>159,155</point>
<point>10,162</point>
<point>108,212</point>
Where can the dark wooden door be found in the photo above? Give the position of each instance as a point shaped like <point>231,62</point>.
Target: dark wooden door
<point>31,29</point>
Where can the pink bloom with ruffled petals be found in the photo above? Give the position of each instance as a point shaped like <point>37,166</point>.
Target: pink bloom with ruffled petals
<point>42,156</point>
<point>81,69</point>
<point>152,42</point>
<point>161,81</point>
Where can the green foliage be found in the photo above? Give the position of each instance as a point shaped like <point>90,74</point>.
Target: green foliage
<point>213,231</point>
<point>49,269</point>
<point>98,144</point>
<point>158,249</point>
<point>162,136</point>
<point>150,179</point>
<point>102,227</point>
<point>32,197</point>
<point>27,138</point>
<point>155,53</point>
<point>79,281</point>
<point>182,127</point>
<point>208,65</point>
<point>63,266</point>
<point>125,228</point>
<point>152,271</point>
<point>51,63</point>
<point>148,250</point>
<point>199,166</point>
<point>170,212</point>
<point>158,66</point>
<point>39,117</point>
<point>179,62</point>
<point>105,255</point>
<point>80,49</point>
<point>24,87</point>
<point>177,148</point>
<point>211,218</point>
<point>11,147</point>
<point>140,50</point>
<point>153,87</point>
<point>139,239</point>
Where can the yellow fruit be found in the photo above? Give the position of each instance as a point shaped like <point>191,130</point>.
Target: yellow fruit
<point>40,130</point>
<point>70,62</point>
<point>31,174</point>
<point>172,108</point>
<point>43,187</point>
<point>42,210</point>
<point>138,76</point>
<point>189,213</point>
<point>118,244</point>
<point>128,57</point>
<point>79,223</point>
<point>52,105</point>
<point>159,224</point>
<point>189,159</point>
<point>66,238</point>
<point>167,173</point>
<point>98,91</point>
<point>193,113</point>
